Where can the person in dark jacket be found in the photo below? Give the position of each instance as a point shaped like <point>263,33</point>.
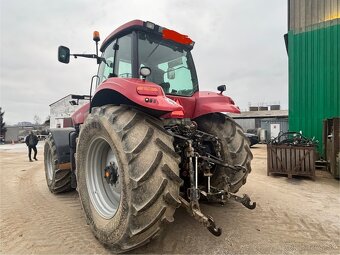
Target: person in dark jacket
<point>31,142</point>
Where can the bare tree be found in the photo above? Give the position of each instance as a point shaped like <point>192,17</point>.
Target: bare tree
<point>2,123</point>
<point>47,121</point>
<point>37,120</point>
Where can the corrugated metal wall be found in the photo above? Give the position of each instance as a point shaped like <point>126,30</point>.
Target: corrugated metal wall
<point>265,124</point>
<point>307,14</point>
<point>314,64</point>
<point>246,123</point>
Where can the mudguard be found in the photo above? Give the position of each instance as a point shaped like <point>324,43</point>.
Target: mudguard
<point>80,115</point>
<point>211,102</point>
<point>204,102</point>
<point>61,139</point>
<point>146,96</point>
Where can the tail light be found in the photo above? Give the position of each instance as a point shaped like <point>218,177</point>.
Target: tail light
<point>148,91</point>
<point>177,114</point>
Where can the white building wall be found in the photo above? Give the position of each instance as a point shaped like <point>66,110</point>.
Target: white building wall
<point>63,109</point>
<point>12,134</point>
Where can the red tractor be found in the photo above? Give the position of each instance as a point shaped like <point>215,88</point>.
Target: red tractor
<point>148,141</point>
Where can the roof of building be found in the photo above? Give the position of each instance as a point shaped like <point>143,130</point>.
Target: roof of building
<point>72,96</point>
<point>259,114</point>
<point>61,99</point>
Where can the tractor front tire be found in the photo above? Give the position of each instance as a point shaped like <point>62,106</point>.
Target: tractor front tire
<point>58,179</point>
<point>129,209</point>
<point>235,149</point>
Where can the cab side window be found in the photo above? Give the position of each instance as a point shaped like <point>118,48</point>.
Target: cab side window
<point>105,70</point>
<point>116,59</point>
<point>123,58</point>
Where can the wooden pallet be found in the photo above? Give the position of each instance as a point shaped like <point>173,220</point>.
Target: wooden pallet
<point>291,160</point>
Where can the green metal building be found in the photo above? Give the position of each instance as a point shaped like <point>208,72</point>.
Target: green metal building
<point>314,65</point>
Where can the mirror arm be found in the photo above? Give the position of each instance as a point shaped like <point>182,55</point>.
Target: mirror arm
<point>85,56</point>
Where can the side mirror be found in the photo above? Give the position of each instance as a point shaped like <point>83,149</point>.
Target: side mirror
<point>222,88</point>
<point>63,54</point>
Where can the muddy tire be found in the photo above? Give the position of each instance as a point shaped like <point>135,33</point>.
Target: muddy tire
<point>128,213</point>
<point>235,149</point>
<point>58,180</point>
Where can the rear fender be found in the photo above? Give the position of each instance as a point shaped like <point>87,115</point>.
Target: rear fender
<point>204,102</point>
<point>61,139</point>
<point>79,116</point>
<point>210,102</point>
<point>124,91</point>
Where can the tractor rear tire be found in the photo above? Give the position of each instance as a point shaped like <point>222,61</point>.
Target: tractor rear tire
<point>235,149</point>
<point>131,210</point>
<point>58,180</point>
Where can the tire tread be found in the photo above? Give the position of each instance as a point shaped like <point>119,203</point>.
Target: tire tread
<point>61,180</point>
<point>153,174</point>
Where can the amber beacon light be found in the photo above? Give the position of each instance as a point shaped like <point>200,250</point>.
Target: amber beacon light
<point>96,36</point>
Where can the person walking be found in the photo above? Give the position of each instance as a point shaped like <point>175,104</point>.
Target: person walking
<point>31,142</point>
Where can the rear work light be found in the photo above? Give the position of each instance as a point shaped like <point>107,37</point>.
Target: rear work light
<point>150,25</point>
<point>177,114</point>
<point>148,91</point>
<point>153,26</point>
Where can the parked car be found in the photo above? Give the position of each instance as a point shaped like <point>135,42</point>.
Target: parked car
<point>42,137</point>
<point>21,138</point>
<point>254,139</point>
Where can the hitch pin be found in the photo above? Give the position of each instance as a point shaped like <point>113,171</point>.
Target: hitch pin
<point>208,184</point>
<point>196,173</point>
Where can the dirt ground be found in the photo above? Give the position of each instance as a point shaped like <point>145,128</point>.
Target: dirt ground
<point>293,216</point>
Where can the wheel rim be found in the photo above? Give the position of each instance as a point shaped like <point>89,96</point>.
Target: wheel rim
<point>49,165</point>
<point>105,197</point>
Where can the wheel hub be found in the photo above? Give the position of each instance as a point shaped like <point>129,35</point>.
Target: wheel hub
<point>102,177</point>
<point>111,174</point>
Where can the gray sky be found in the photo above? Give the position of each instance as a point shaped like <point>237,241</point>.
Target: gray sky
<point>238,43</point>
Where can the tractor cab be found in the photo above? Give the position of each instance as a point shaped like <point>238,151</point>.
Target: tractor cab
<point>143,44</point>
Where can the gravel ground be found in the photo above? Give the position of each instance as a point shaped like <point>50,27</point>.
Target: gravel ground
<point>293,216</point>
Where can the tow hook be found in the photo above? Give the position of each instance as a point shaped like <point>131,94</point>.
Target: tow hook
<point>245,200</point>
<point>205,220</point>
<point>216,231</point>
<point>111,173</point>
